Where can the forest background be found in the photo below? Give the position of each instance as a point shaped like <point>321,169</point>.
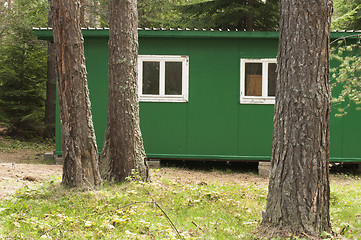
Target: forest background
<point>23,58</point>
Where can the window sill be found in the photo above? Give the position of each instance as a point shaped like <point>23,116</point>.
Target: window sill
<point>257,101</point>
<point>162,99</point>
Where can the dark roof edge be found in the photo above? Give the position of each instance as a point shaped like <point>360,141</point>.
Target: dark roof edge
<point>46,33</point>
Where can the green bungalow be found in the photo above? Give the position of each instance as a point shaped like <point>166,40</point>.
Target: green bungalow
<point>204,94</point>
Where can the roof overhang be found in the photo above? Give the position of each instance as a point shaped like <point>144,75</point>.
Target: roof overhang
<point>47,33</point>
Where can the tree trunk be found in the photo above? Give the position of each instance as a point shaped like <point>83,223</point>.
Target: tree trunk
<point>250,15</point>
<point>79,148</point>
<point>299,192</point>
<point>82,13</point>
<point>49,121</point>
<point>123,150</point>
<point>92,12</point>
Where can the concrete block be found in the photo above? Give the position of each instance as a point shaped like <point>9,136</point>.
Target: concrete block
<point>59,160</point>
<point>154,164</point>
<point>49,156</point>
<point>264,169</point>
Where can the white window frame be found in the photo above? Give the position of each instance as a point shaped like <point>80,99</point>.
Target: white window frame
<point>264,99</point>
<point>162,97</point>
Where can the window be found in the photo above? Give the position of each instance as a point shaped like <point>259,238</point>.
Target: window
<point>163,78</point>
<point>258,81</point>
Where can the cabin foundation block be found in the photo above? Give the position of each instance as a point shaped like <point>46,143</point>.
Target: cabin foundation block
<point>154,164</point>
<point>58,160</point>
<point>264,169</point>
<point>49,156</point>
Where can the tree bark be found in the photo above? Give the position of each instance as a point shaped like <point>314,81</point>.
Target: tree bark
<point>123,153</point>
<point>250,15</point>
<point>49,121</point>
<point>79,148</point>
<point>82,13</point>
<point>299,192</point>
<point>92,13</point>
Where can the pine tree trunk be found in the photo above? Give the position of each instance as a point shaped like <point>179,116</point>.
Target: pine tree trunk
<point>79,148</point>
<point>82,13</point>
<point>123,150</point>
<point>250,15</point>
<point>92,13</point>
<point>299,192</point>
<point>49,121</point>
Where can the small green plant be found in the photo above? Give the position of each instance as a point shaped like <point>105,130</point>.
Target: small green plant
<point>134,177</point>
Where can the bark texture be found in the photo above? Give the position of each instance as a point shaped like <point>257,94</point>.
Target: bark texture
<point>49,121</point>
<point>250,16</point>
<point>299,193</point>
<point>79,148</point>
<point>82,13</point>
<point>123,152</point>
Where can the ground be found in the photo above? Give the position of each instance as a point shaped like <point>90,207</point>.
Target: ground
<point>19,168</point>
<point>23,167</point>
<point>13,177</point>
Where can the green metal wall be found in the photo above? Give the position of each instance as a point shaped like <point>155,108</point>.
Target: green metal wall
<point>213,124</point>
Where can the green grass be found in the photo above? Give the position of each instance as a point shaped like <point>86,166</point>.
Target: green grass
<point>128,211</point>
<point>346,209</point>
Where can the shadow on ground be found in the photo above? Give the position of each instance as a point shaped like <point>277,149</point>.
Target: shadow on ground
<point>248,167</point>
<point>346,168</point>
<point>227,166</point>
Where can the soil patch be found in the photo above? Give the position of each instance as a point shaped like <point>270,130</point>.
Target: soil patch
<point>188,176</point>
<point>21,156</point>
<point>14,175</point>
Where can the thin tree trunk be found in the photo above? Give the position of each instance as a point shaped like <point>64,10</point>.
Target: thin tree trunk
<point>82,13</point>
<point>123,150</point>
<point>299,192</point>
<point>79,147</point>
<point>92,13</point>
<point>250,15</point>
<point>49,121</point>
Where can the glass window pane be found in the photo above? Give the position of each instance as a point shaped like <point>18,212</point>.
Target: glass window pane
<point>253,76</point>
<point>173,78</point>
<point>150,77</point>
<point>272,77</point>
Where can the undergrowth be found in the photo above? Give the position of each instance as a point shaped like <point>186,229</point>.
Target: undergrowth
<point>155,210</point>
<point>8,144</point>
